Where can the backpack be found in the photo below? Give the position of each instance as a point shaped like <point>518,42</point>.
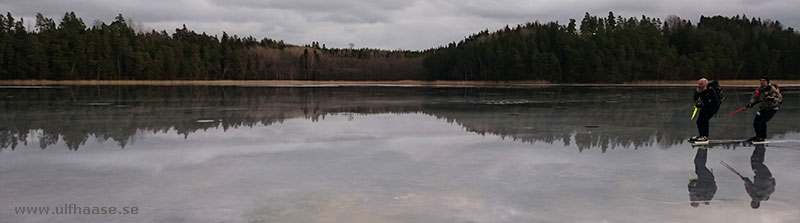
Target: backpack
<point>714,86</point>
<point>777,89</point>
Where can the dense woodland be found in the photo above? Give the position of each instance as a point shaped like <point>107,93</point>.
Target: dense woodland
<point>607,49</point>
<point>71,50</point>
<point>615,49</point>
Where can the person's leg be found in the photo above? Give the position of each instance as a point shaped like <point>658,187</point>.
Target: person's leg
<point>759,125</point>
<point>700,158</point>
<point>760,122</point>
<point>702,122</point>
<point>700,168</point>
<point>757,162</point>
<point>767,115</point>
<point>702,126</point>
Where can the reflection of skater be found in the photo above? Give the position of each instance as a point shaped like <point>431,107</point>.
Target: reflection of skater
<point>763,183</point>
<point>704,187</point>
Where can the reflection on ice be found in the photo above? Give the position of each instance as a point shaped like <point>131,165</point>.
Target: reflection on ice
<point>528,115</point>
<point>228,154</point>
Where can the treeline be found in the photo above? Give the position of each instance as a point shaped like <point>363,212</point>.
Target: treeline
<point>616,49</point>
<point>553,115</point>
<point>600,50</point>
<point>117,51</point>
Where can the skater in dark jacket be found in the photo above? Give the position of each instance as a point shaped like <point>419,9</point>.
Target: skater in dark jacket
<point>707,103</point>
<point>769,97</point>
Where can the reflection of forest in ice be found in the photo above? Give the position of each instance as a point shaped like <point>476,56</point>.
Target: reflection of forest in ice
<point>589,117</point>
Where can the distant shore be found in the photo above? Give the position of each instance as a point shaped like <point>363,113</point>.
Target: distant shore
<point>402,83</point>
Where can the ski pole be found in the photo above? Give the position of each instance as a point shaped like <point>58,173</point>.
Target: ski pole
<point>731,168</point>
<point>740,110</point>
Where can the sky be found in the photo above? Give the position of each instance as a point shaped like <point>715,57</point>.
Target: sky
<point>384,24</point>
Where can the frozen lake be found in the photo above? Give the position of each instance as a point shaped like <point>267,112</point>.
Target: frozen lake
<point>384,154</point>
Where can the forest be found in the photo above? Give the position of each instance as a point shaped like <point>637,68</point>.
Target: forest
<point>70,50</point>
<point>616,49</point>
<point>605,49</point>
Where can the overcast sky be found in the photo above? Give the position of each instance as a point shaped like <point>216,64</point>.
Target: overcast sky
<point>386,24</point>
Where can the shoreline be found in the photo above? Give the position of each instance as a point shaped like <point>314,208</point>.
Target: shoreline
<point>401,83</point>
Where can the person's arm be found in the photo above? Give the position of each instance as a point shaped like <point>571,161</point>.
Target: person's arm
<point>698,100</point>
<point>748,185</point>
<point>754,99</point>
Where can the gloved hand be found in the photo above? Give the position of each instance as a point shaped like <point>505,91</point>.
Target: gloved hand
<point>749,105</point>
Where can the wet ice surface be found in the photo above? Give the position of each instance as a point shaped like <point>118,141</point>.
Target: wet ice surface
<point>227,154</point>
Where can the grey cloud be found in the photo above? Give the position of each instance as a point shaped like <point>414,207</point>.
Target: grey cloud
<point>755,2</point>
<point>388,24</point>
<point>349,4</point>
<point>545,11</point>
<point>349,18</point>
<point>349,11</point>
